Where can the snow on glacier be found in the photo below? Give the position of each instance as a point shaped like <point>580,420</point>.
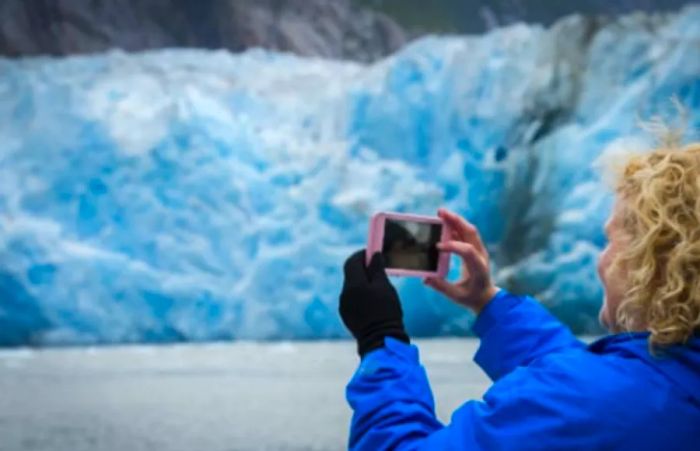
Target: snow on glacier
<point>197,195</point>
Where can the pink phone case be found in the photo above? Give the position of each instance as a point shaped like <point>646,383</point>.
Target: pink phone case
<point>376,238</point>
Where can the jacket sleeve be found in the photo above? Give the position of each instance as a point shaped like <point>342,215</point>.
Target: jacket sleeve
<point>393,409</point>
<point>391,399</point>
<point>515,331</point>
<point>393,403</point>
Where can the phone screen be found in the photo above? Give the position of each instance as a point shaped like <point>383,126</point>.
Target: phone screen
<point>411,245</point>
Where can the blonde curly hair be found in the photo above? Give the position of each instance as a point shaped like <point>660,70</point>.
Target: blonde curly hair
<point>661,219</point>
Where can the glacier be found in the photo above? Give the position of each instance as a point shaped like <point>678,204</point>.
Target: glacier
<point>191,195</point>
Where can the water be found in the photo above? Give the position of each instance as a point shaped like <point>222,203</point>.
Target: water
<point>228,396</point>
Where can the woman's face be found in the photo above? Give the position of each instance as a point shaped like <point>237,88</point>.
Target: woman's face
<point>613,283</point>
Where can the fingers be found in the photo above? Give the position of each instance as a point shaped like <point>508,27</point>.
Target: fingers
<point>462,229</point>
<point>458,224</point>
<point>471,258</point>
<point>464,250</point>
<point>376,269</point>
<point>355,268</point>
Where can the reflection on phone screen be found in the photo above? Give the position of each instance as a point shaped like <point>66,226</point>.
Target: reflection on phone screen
<point>411,245</point>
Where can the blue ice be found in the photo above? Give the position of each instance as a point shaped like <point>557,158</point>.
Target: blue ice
<point>188,195</point>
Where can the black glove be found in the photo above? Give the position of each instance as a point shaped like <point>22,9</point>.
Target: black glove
<point>369,304</point>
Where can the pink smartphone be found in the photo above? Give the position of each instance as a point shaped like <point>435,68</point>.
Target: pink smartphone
<point>409,244</point>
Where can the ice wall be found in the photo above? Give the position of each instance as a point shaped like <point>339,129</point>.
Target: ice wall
<point>196,195</point>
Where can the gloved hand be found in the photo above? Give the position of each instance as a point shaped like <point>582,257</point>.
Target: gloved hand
<point>369,304</point>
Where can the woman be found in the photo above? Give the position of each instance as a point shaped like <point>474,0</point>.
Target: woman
<point>636,389</point>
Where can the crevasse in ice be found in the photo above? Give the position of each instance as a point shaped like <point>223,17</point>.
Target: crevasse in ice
<point>197,195</point>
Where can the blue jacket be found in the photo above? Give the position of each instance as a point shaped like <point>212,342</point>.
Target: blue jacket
<point>550,391</point>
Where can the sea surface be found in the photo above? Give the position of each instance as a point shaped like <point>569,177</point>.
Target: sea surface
<point>220,396</point>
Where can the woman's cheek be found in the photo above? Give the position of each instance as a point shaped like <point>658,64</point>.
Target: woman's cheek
<point>602,263</point>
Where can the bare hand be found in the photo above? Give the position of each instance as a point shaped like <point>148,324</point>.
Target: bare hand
<point>474,288</point>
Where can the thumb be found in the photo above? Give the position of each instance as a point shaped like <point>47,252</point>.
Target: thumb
<point>377,267</point>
